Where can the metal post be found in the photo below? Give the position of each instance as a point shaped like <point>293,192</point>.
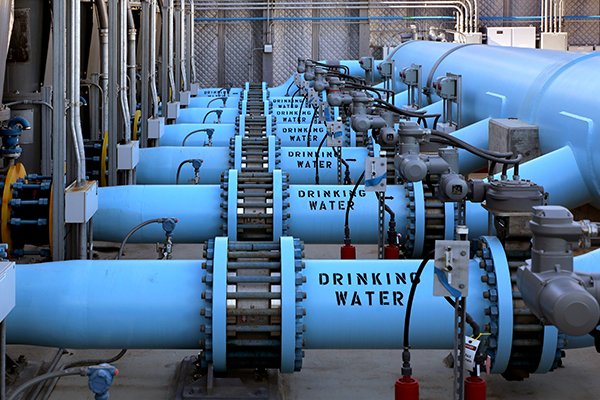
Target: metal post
<point>164,51</point>
<point>364,34</point>
<point>316,32</point>
<point>152,66</point>
<point>58,129</point>
<point>146,67</point>
<point>115,125</point>
<point>459,347</point>
<point>132,61</point>
<point>381,225</point>
<point>178,37</point>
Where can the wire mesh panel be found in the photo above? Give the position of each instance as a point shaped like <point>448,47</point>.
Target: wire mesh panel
<point>338,40</point>
<point>582,31</point>
<point>242,55</point>
<point>291,39</point>
<point>205,48</point>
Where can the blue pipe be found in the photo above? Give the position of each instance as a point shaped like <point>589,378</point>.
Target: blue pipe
<point>298,162</point>
<point>218,92</point>
<point>141,304</point>
<point>176,133</point>
<point>123,304</point>
<point>158,165</point>
<point>203,102</point>
<point>196,206</point>
<point>548,88</point>
<point>476,135</point>
<point>199,115</point>
<point>296,134</point>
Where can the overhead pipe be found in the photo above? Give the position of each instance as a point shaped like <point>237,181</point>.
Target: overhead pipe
<point>349,305</point>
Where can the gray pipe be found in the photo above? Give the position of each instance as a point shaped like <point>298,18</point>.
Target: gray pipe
<point>132,61</point>
<point>103,32</point>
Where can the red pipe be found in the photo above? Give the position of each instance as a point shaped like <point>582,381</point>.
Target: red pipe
<point>406,388</point>
<point>475,388</point>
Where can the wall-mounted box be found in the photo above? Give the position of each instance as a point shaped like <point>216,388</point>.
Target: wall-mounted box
<point>81,202</point>
<point>555,41</point>
<point>128,155</point>
<point>184,98</point>
<point>516,36</point>
<point>156,128</point>
<point>7,288</point>
<point>194,88</point>
<point>173,110</point>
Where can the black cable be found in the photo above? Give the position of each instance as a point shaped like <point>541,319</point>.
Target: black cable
<point>301,107</point>
<point>191,160</point>
<point>312,121</point>
<point>477,151</point>
<point>317,159</point>
<point>287,91</point>
<point>294,95</point>
<point>347,76</point>
<point>193,133</point>
<point>220,111</point>
<point>349,205</point>
<point>331,66</point>
<point>87,363</point>
<point>411,297</point>
<point>456,143</point>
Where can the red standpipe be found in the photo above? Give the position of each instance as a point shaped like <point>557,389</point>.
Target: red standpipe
<point>406,388</point>
<point>475,388</point>
<point>348,252</point>
<point>391,252</point>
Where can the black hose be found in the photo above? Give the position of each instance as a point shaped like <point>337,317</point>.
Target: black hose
<point>301,107</point>
<point>461,144</point>
<point>294,95</point>
<point>479,152</point>
<point>349,205</point>
<point>193,133</point>
<point>210,112</point>
<point>312,121</point>
<point>287,91</point>
<point>191,160</point>
<point>134,230</point>
<point>317,158</point>
<point>411,297</point>
<point>87,363</point>
<point>347,76</point>
<point>331,66</point>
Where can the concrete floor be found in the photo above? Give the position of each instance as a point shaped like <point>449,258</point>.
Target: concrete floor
<point>326,374</point>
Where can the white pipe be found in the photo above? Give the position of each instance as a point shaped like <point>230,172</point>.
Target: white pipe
<point>183,47</point>
<point>123,92</point>
<point>561,14</point>
<point>192,38</point>
<point>170,52</point>
<point>464,15</point>
<point>153,88</point>
<point>542,16</point>
<point>75,106</point>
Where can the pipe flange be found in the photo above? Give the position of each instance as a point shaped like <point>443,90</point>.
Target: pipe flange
<point>254,312</point>
<point>518,344</point>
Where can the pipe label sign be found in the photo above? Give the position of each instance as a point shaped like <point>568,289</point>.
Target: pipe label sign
<point>365,297</point>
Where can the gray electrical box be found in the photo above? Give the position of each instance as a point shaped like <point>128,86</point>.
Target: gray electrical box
<point>7,288</point>
<point>511,134</point>
<point>451,265</point>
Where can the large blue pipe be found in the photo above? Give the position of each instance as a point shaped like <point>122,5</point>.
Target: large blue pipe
<point>175,134</point>
<point>554,90</point>
<point>159,165</point>
<point>158,304</point>
<point>201,115</point>
<point>201,218</point>
<point>207,102</point>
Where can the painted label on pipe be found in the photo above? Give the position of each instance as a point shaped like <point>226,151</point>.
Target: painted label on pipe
<point>297,134</point>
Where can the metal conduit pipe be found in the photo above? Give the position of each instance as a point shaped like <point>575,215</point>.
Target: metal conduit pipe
<point>103,33</point>
<point>75,99</point>
<point>466,14</point>
<point>349,304</point>
<point>131,61</point>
